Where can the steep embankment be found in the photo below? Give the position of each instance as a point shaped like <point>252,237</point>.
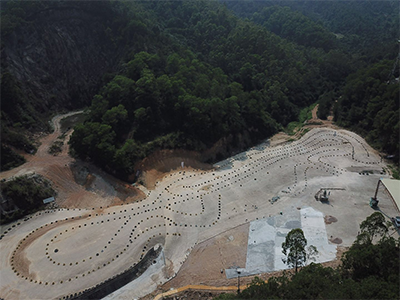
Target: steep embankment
<point>58,54</point>
<point>53,58</point>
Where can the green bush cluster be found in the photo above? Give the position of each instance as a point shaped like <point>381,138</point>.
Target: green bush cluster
<point>26,193</point>
<point>9,158</point>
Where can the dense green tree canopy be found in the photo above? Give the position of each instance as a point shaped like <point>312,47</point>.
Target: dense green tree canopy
<point>227,77</point>
<point>190,73</point>
<point>368,29</point>
<point>176,100</point>
<point>370,105</point>
<point>26,193</point>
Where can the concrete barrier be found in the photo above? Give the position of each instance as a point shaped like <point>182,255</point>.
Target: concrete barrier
<point>114,283</point>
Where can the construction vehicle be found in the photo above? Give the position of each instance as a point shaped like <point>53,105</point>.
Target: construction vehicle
<point>323,196</point>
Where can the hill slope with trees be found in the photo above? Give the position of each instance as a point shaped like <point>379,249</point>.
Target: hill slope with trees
<point>179,74</point>
<point>226,77</point>
<point>368,29</point>
<point>361,41</point>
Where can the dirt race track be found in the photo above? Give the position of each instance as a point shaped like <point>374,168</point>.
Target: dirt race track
<point>58,253</point>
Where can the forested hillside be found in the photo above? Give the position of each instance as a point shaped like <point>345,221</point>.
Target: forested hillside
<point>361,41</point>
<point>370,105</point>
<point>55,55</point>
<point>367,28</point>
<point>227,77</point>
<point>186,74</point>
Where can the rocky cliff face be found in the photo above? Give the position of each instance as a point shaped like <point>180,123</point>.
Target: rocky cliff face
<point>59,56</point>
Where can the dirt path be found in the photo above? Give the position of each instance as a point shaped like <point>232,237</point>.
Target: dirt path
<point>314,112</point>
<point>314,122</point>
<point>60,169</point>
<point>325,123</point>
<point>48,140</point>
<point>42,159</point>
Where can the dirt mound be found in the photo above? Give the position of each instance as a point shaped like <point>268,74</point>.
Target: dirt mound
<point>62,178</point>
<point>330,219</point>
<point>81,173</point>
<point>100,186</point>
<point>167,160</point>
<point>153,167</point>
<point>336,240</point>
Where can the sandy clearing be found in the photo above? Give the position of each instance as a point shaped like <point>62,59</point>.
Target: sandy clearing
<point>190,208</point>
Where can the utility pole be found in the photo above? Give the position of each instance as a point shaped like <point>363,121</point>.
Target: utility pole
<point>238,290</point>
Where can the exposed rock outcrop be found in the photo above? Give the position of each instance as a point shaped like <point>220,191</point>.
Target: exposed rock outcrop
<point>59,55</point>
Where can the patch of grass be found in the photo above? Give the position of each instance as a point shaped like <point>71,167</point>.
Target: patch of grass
<point>304,115</point>
<point>395,171</point>
<point>56,148</point>
<point>69,122</point>
<point>292,126</point>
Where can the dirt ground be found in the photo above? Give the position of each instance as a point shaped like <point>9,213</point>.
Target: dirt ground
<point>184,277</point>
<point>61,169</point>
<point>200,217</point>
<point>153,168</point>
<point>207,261</point>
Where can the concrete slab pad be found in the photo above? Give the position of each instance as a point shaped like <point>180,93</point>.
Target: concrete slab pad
<point>264,249</point>
<point>313,225</point>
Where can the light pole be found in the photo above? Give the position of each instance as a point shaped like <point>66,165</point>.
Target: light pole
<point>238,290</point>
